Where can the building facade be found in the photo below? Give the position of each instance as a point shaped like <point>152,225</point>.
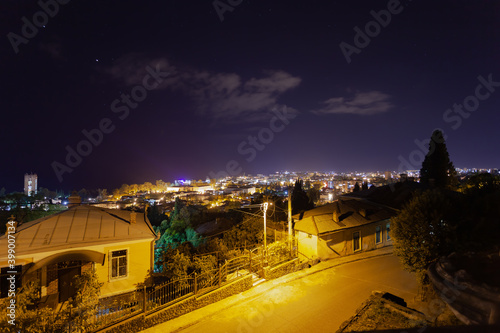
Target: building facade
<point>343,227</point>
<point>118,244</point>
<point>30,184</point>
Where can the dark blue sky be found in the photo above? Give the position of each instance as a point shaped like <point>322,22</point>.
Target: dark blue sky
<point>225,78</point>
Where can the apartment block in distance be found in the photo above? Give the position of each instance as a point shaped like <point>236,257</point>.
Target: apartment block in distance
<point>30,184</point>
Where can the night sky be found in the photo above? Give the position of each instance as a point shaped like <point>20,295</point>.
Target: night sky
<point>175,92</point>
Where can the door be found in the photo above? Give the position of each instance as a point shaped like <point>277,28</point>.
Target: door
<point>66,282</point>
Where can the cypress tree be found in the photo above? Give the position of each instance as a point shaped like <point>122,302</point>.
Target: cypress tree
<point>437,169</point>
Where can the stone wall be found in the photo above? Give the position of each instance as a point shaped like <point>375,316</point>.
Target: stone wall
<point>473,302</point>
<point>283,269</point>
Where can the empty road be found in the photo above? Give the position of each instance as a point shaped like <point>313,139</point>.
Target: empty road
<point>314,303</point>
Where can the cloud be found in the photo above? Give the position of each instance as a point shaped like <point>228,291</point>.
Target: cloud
<point>132,68</point>
<point>363,103</point>
<point>227,95</point>
<point>216,95</point>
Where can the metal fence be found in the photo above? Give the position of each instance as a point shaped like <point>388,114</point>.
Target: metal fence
<point>154,298</point>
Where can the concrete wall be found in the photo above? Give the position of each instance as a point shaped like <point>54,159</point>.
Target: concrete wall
<point>340,243</point>
<point>332,245</point>
<point>307,244</point>
<point>138,264</point>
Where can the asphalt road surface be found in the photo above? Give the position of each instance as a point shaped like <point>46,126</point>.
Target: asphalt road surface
<point>315,303</point>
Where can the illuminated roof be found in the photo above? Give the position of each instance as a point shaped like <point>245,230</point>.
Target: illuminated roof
<point>80,226</point>
<point>350,213</point>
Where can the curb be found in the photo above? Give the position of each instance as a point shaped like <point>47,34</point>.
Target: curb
<point>339,264</point>
<point>284,281</point>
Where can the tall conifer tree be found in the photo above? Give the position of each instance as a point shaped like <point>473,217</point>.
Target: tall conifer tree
<point>437,169</point>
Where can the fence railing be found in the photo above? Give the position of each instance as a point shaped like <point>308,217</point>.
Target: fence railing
<point>150,299</point>
<point>168,292</point>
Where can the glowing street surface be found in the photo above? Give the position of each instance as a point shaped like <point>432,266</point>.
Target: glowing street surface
<point>315,303</point>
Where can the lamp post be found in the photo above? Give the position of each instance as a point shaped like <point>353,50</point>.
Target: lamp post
<point>290,237</point>
<point>265,205</point>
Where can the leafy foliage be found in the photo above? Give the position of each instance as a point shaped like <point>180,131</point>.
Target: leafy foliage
<point>179,263</point>
<point>155,216</point>
<point>250,231</point>
<point>176,231</point>
<point>28,317</point>
<point>426,228</point>
<point>313,195</point>
<point>437,222</point>
<point>85,302</point>
<point>32,319</point>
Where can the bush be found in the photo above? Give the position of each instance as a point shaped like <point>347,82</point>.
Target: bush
<point>427,228</point>
<point>32,319</point>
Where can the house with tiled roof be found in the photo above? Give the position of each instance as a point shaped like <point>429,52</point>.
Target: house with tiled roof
<point>52,250</point>
<point>344,227</point>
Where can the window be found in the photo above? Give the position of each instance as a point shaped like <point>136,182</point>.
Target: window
<point>378,234</point>
<point>356,241</point>
<point>388,230</point>
<point>118,264</point>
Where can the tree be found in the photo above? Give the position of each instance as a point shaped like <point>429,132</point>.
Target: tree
<point>437,169</point>
<point>313,194</point>
<point>356,187</point>
<point>103,194</point>
<point>364,186</point>
<point>161,186</point>
<point>248,232</point>
<point>85,302</point>
<point>30,317</point>
<point>300,200</point>
<point>124,190</point>
<point>84,194</point>
<point>427,228</point>
<point>133,189</point>
<point>155,215</point>
<point>117,194</point>
<point>482,196</point>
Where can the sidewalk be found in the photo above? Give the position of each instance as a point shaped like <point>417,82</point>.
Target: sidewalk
<point>193,317</point>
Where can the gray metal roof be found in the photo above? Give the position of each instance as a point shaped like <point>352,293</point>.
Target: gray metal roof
<point>350,212</point>
<point>79,226</point>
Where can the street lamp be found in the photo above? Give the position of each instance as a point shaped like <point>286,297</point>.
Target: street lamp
<point>265,205</point>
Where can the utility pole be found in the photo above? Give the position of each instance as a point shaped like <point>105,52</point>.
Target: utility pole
<point>265,204</point>
<point>290,218</point>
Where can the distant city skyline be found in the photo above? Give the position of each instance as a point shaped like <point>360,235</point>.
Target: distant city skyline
<point>97,94</point>
<point>293,174</point>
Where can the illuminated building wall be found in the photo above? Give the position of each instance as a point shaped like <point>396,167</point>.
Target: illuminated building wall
<point>30,184</point>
